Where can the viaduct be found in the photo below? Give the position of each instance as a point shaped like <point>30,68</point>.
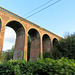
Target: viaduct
<point>42,40</point>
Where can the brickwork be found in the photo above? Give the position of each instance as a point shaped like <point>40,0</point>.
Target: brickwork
<point>19,45</point>
<point>46,43</point>
<point>35,44</point>
<point>22,28</point>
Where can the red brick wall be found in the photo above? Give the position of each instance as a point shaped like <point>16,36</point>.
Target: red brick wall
<point>19,45</point>
<point>46,44</point>
<point>35,45</point>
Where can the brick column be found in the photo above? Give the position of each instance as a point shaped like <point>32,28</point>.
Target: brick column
<point>2,37</point>
<point>25,46</point>
<point>41,53</point>
<point>51,44</point>
<point>19,45</point>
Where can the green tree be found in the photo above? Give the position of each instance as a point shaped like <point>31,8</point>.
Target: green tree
<point>9,54</point>
<point>65,48</point>
<point>6,55</point>
<point>2,56</point>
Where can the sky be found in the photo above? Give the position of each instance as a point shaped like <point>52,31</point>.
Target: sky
<point>59,18</point>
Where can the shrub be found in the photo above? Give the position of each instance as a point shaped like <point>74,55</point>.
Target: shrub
<point>63,66</point>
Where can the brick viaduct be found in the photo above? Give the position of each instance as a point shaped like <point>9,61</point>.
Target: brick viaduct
<point>42,40</point>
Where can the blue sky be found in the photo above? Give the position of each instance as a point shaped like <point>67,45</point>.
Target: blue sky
<point>59,18</point>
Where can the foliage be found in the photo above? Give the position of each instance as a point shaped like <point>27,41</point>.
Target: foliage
<point>6,55</point>
<point>47,55</point>
<point>2,56</point>
<point>63,66</point>
<point>65,48</point>
<point>9,54</point>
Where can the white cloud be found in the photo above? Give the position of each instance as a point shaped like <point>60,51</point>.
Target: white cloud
<point>9,38</point>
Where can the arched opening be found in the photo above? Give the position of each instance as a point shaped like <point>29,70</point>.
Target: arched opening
<point>9,42</point>
<point>20,38</point>
<point>55,42</point>
<point>46,42</point>
<point>9,39</point>
<point>0,24</point>
<point>35,44</point>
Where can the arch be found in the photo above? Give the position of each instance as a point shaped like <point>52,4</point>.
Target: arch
<point>55,41</point>
<point>0,24</point>
<point>20,38</point>
<point>35,44</point>
<point>15,25</point>
<point>46,43</point>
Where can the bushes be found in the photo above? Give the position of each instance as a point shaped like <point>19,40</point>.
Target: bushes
<point>63,66</point>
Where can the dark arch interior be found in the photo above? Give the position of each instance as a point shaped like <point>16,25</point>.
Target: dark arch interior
<point>55,41</point>
<point>35,44</point>
<point>16,26</point>
<point>0,24</point>
<point>29,47</point>
<point>46,43</point>
<point>33,33</point>
<point>20,37</point>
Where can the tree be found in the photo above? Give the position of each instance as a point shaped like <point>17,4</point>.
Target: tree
<point>6,55</point>
<point>9,54</point>
<point>65,48</point>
